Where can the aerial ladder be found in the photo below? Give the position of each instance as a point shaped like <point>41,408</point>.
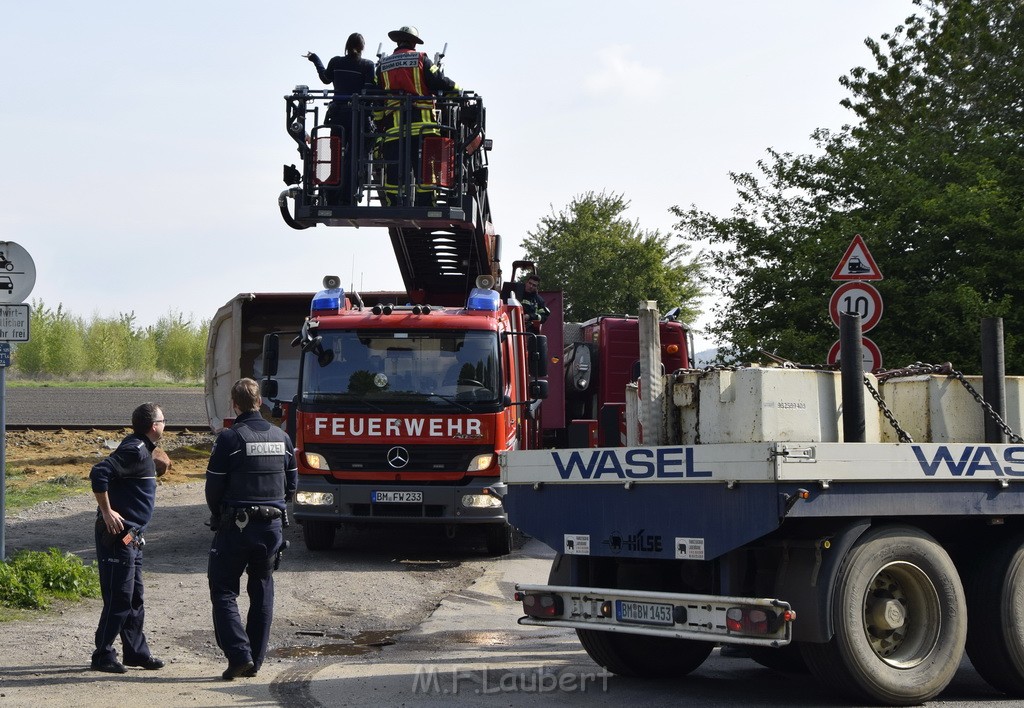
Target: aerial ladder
<point>435,203</point>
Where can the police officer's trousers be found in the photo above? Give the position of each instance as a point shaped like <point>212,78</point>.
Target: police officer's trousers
<point>252,549</point>
<point>120,570</point>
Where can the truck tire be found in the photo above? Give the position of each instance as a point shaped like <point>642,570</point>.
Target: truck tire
<point>900,620</point>
<point>499,539</point>
<point>640,656</point>
<point>995,616</point>
<point>787,659</point>
<point>318,535</point>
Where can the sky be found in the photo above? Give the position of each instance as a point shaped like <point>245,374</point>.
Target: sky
<point>142,143</point>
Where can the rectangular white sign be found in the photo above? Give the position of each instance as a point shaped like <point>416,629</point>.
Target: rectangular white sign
<point>14,321</point>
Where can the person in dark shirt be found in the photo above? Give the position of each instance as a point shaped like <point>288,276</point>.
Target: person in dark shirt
<point>535,310</point>
<point>250,478</point>
<point>349,75</point>
<point>125,488</point>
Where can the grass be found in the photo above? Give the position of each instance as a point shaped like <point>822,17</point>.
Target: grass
<point>32,580</point>
<point>28,383</point>
<point>23,491</point>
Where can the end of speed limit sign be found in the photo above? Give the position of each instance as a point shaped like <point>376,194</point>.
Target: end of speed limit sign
<point>860,298</point>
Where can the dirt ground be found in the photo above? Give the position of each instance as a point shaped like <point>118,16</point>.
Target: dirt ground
<point>46,454</point>
<point>349,601</point>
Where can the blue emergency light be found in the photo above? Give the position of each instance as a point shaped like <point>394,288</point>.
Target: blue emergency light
<point>483,299</point>
<point>330,299</point>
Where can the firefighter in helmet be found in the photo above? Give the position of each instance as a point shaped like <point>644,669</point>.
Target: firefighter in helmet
<point>410,72</point>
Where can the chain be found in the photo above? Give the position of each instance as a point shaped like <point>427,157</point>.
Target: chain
<point>901,434</point>
<point>989,410</point>
<point>708,370</point>
<point>915,369</point>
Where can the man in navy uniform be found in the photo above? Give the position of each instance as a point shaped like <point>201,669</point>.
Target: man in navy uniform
<point>125,489</point>
<point>250,479</point>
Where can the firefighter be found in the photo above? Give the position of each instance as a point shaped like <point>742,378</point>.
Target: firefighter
<point>408,71</point>
<point>535,310</point>
<point>250,478</point>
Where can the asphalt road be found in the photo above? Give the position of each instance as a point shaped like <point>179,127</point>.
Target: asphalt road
<point>100,407</point>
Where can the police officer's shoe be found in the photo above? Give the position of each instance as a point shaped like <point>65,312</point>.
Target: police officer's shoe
<point>150,663</point>
<point>110,667</point>
<point>251,673</point>
<point>235,670</point>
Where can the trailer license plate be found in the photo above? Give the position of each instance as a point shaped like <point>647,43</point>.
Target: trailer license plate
<point>643,612</point>
<point>398,497</point>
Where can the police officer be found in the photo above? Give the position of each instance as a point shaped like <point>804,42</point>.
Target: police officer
<point>125,488</point>
<point>411,72</point>
<point>250,478</point>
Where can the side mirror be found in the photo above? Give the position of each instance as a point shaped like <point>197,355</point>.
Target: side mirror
<point>268,388</point>
<point>537,346</point>
<point>270,354</point>
<point>538,390</point>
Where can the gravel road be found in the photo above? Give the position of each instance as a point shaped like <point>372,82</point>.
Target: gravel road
<point>101,407</point>
<point>372,587</point>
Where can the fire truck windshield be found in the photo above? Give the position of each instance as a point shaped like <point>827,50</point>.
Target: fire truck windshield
<point>385,366</point>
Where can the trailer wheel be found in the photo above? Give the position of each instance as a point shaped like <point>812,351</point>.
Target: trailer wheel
<point>787,659</point>
<point>899,617</point>
<point>499,539</point>
<point>318,535</point>
<point>640,656</point>
<point>995,615</point>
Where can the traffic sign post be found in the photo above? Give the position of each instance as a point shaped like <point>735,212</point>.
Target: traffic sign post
<point>17,278</point>
<point>857,263</point>
<point>860,298</point>
<point>871,355</point>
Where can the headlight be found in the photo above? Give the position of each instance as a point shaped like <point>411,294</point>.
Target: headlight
<point>481,501</point>
<point>316,461</point>
<point>481,462</point>
<point>314,498</point>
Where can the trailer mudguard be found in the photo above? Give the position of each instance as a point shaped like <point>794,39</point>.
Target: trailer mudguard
<point>807,577</point>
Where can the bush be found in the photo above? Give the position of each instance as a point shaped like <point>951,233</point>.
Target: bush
<point>66,347</point>
<point>31,578</point>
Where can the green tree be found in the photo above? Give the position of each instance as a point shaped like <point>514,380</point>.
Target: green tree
<point>930,172</point>
<point>181,345</point>
<point>56,345</point>
<point>605,263</point>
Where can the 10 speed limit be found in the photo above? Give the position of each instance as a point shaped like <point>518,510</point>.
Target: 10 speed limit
<point>860,298</point>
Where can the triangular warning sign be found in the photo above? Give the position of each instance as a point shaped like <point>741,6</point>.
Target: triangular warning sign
<point>857,263</point>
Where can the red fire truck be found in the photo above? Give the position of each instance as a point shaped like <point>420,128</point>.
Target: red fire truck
<point>400,403</point>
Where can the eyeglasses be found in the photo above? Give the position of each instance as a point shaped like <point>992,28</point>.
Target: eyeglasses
<point>162,420</point>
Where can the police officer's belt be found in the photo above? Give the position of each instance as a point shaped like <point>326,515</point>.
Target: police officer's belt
<point>256,513</point>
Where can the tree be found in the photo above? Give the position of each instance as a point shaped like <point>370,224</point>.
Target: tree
<point>604,263</point>
<point>182,346</point>
<point>931,173</point>
<point>56,343</point>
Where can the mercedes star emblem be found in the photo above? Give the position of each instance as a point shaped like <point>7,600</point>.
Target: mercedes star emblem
<point>398,457</point>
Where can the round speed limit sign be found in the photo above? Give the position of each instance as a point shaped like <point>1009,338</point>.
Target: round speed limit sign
<point>858,297</point>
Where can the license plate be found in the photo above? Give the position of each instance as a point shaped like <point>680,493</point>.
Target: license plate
<point>643,612</point>
<point>398,497</point>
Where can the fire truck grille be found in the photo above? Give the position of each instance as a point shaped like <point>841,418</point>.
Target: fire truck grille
<point>412,459</point>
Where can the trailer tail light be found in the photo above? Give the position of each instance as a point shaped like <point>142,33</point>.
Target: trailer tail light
<point>327,159</point>
<point>755,620</point>
<point>541,605</point>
